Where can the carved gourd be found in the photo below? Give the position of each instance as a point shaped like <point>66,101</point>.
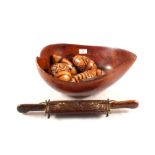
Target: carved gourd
<point>88,75</point>
<point>61,71</point>
<point>58,67</point>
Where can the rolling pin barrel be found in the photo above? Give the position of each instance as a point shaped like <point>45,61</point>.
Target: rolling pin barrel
<point>77,106</point>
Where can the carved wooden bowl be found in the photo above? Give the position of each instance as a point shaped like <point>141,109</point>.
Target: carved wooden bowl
<point>115,62</point>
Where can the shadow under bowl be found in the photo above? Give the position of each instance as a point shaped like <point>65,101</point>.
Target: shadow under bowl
<point>115,62</point>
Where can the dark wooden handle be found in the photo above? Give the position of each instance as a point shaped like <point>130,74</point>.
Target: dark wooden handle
<point>124,104</point>
<point>23,108</point>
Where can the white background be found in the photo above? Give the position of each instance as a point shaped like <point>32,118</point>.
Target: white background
<point>26,27</point>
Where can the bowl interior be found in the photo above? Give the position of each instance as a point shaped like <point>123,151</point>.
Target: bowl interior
<point>115,62</point>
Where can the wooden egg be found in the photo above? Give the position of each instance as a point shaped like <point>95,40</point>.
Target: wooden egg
<point>70,64</point>
<point>56,58</point>
<point>73,71</point>
<point>100,72</point>
<point>64,75</point>
<point>64,60</point>
<point>83,63</point>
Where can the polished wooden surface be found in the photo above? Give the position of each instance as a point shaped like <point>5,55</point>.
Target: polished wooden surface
<point>77,106</point>
<point>115,62</point>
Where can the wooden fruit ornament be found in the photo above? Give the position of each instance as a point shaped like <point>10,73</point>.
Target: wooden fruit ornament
<point>56,58</point>
<point>88,75</point>
<point>83,63</point>
<point>58,67</point>
<point>64,75</point>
